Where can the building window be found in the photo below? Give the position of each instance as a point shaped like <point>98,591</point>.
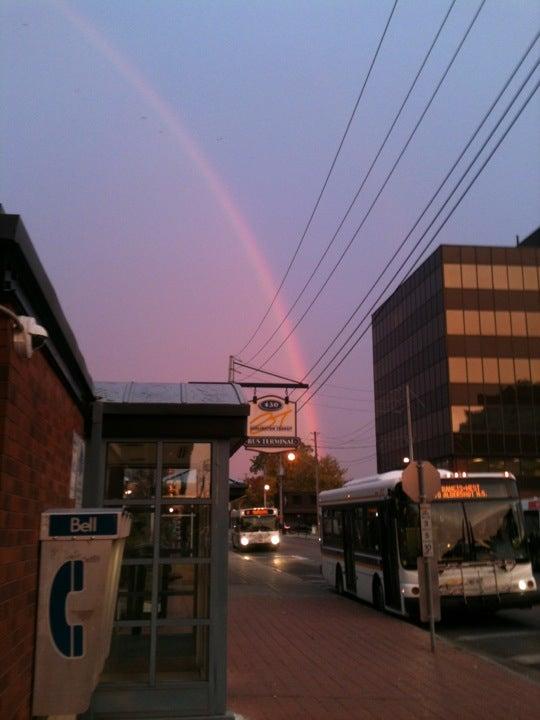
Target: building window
<point>506,371</point>
<point>500,277</point>
<point>452,276</point>
<point>457,368</point>
<point>533,324</point>
<point>472,322</point>
<point>454,322</point>
<point>519,324</point>
<point>530,278</point>
<point>474,370</point>
<point>485,279</point>
<point>523,371</point>
<point>502,322</point>
<point>515,277</point>
<point>487,322</point>
<point>459,417</point>
<point>468,276</point>
<point>491,370</point>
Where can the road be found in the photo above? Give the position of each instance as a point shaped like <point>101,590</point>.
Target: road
<point>510,638</point>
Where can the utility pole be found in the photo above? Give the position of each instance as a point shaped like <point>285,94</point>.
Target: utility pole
<point>317,483</point>
<point>231,368</point>
<point>280,481</point>
<point>426,562</point>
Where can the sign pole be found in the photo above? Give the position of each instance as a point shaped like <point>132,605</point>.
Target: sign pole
<point>280,479</point>
<point>426,560</point>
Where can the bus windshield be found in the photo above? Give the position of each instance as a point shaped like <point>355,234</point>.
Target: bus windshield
<point>468,531</point>
<point>255,523</point>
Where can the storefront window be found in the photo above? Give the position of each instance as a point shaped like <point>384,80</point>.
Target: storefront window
<point>185,531</point>
<point>131,470</point>
<point>182,653</point>
<point>186,470</point>
<point>184,591</point>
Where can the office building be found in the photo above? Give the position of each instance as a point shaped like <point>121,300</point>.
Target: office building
<point>463,331</point>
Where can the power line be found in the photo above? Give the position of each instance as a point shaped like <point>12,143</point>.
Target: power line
<point>362,184</point>
<point>381,189</point>
<point>441,185</point>
<point>514,120</point>
<point>336,155</point>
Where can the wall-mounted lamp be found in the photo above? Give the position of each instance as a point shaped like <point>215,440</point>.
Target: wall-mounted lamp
<point>27,335</point>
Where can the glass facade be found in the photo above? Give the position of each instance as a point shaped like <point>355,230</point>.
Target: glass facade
<point>162,620</point>
<point>464,332</point>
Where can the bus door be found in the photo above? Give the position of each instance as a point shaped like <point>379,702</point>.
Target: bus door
<point>348,550</point>
<point>390,557</point>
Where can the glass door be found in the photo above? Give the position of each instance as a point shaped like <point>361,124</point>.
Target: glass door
<point>161,629</point>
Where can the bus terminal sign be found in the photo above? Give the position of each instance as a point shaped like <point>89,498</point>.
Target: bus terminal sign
<point>271,425</point>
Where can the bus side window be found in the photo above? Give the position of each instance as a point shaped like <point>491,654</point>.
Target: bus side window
<point>359,543</point>
<point>327,526</point>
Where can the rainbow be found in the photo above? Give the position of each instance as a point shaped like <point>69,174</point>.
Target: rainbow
<point>232,214</point>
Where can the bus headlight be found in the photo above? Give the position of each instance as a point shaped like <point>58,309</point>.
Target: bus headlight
<point>274,539</point>
<point>244,541</point>
<point>522,584</point>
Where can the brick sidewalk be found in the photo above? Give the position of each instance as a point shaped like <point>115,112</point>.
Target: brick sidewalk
<point>310,658</point>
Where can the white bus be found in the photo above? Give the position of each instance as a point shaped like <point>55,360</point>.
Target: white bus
<point>371,541</point>
<point>531,512</point>
<point>255,527</point>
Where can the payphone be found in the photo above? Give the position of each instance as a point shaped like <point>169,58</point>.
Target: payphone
<point>81,555</point>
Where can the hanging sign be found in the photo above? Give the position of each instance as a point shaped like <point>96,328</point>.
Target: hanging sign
<point>271,425</point>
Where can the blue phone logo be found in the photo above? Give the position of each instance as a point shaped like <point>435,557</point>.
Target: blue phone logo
<point>67,638</point>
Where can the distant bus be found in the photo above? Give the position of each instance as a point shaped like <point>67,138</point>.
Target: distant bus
<point>255,527</point>
<point>371,542</point>
<point>531,512</point>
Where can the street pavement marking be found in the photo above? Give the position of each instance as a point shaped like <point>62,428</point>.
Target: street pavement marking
<point>298,557</point>
<point>495,635</point>
<point>531,659</point>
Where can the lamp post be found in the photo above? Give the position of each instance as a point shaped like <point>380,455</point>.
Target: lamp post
<point>291,457</point>
<point>266,489</point>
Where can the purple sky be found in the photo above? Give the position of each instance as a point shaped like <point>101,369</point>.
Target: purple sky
<point>165,157</point>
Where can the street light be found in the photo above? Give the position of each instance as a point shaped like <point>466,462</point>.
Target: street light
<point>266,489</point>
<point>291,457</point>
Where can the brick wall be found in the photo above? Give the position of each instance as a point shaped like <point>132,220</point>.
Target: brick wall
<point>37,420</point>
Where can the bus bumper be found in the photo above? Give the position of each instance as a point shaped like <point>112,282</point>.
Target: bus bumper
<point>479,602</point>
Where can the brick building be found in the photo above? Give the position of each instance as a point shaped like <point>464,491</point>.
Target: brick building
<point>43,402</point>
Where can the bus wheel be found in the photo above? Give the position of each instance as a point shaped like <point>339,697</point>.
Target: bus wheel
<point>339,581</point>
<point>377,594</point>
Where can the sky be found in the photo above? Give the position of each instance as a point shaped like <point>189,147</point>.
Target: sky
<point>166,156</point>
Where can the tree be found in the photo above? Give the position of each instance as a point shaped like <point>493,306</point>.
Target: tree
<point>299,474</point>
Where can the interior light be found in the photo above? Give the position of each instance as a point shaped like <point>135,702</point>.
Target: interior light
<point>406,460</point>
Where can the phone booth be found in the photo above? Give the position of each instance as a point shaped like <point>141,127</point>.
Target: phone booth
<point>162,452</point>
<point>81,555</point>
